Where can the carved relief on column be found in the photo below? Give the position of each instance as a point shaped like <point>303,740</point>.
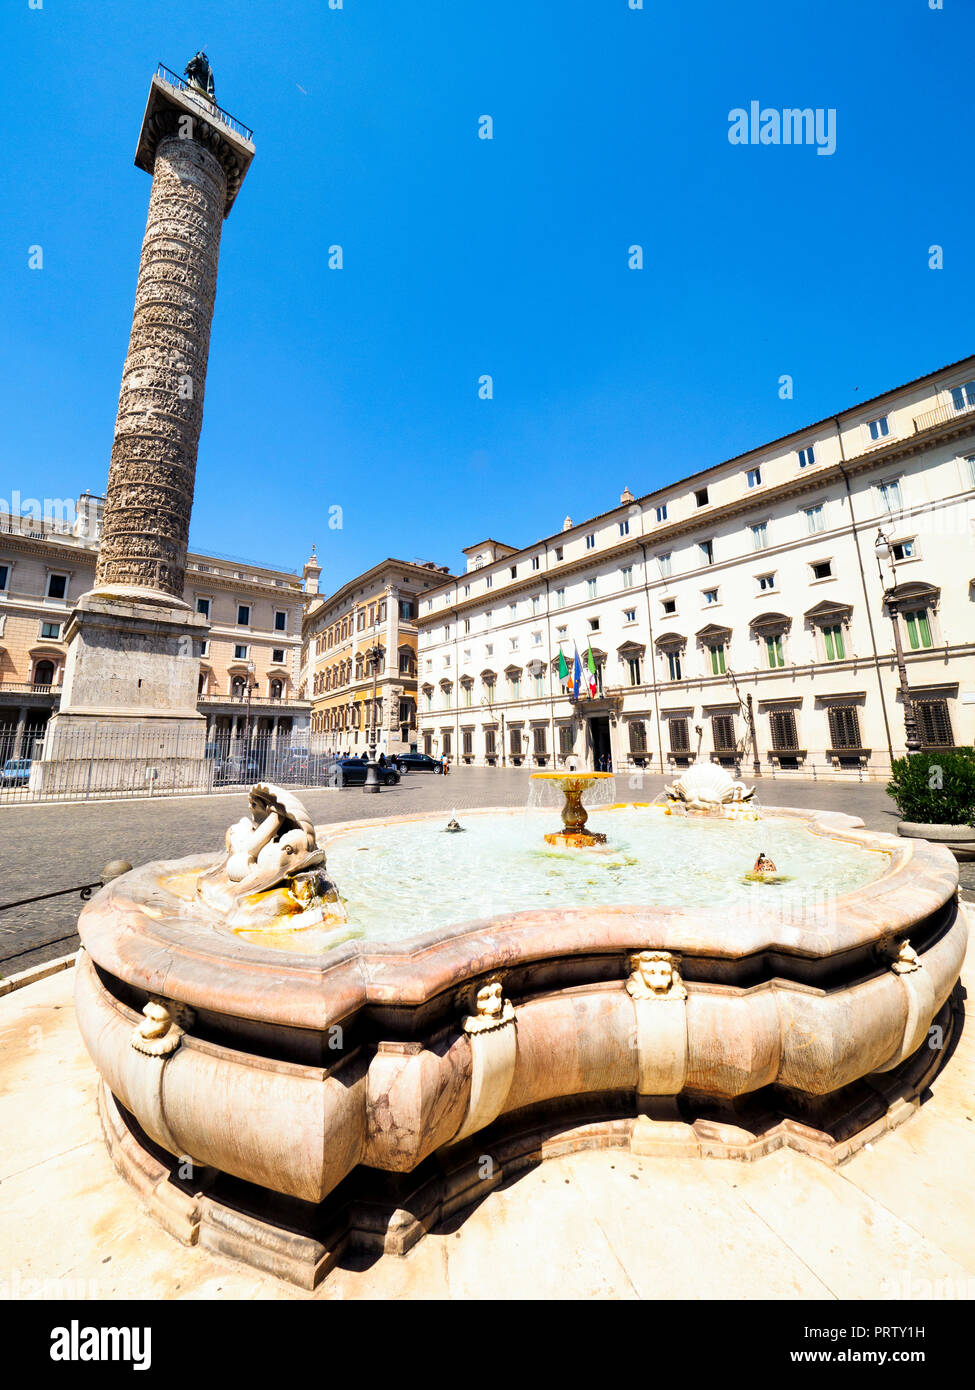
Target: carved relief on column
<point>157,429</point>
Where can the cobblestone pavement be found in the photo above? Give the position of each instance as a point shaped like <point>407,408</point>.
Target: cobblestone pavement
<point>57,845</point>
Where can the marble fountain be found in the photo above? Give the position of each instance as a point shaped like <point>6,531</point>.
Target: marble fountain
<point>311,1042</point>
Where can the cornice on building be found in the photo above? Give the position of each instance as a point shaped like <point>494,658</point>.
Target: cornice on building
<point>702,523</point>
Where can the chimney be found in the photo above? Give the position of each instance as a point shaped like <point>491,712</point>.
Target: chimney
<point>567,524</point>
<point>626,495</point>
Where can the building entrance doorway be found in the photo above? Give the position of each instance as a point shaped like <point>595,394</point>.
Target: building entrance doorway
<point>601,747</point>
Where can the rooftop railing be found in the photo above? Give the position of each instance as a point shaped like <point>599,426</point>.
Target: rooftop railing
<point>216,699</point>
<point>181,84</point>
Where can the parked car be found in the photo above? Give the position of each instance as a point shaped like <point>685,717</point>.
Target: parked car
<point>419,762</point>
<point>239,769</point>
<point>351,772</point>
<point>16,772</point>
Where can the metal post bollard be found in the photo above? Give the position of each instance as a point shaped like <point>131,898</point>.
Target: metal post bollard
<point>372,783</point>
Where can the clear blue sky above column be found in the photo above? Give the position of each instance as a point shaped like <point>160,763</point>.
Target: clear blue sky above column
<point>506,257</point>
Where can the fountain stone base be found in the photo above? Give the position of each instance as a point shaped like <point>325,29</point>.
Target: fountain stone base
<point>279,1106</point>
<point>575,839</point>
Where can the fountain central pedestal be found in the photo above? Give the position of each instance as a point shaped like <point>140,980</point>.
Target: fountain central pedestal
<point>574,814</point>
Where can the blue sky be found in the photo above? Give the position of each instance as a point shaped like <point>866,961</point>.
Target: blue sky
<point>463,256</point>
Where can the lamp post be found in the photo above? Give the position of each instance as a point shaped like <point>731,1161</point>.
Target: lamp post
<point>251,686</point>
<point>882,550</point>
<point>748,710</point>
<point>485,701</point>
<point>374,655</point>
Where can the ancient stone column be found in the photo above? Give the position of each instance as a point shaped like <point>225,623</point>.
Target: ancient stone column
<point>128,715</point>
<point>197,164</point>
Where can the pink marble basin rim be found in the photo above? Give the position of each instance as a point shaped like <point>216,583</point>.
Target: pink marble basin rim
<point>142,935</point>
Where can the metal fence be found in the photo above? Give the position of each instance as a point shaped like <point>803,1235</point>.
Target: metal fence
<point>106,763</point>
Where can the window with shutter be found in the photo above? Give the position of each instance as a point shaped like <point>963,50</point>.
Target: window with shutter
<point>538,740</point>
<point>774,653</point>
<point>918,626</point>
<point>638,736</point>
<point>679,741</point>
<point>468,738</point>
<point>489,742</point>
<point>723,733</point>
<point>833,642</point>
<point>844,726</point>
<point>566,739</point>
<point>934,723</point>
<point>783,727</point>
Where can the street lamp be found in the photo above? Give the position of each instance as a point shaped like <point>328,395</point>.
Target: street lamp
<point>251,687</point>
<point>882,550</point>
<point>374,655</point>
<point>488,706</point>
<point>748,710</point>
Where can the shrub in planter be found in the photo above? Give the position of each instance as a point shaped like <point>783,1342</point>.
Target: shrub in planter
<point>935,788</point>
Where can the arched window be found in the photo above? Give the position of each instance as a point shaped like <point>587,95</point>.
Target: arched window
<point>237,687</point>
<point>277,689</point>
<point>44,673</point>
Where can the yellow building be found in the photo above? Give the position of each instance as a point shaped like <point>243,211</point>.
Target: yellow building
<point>249,663</point>
<point>360,658</point>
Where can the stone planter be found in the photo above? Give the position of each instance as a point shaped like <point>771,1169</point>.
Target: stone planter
<point>960,839</point>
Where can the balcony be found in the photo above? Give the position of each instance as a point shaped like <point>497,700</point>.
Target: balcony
<point>942,415</point>
<point>18,689</point>
<point>256,701</point>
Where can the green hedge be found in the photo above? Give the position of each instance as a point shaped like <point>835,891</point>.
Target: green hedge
<point>935,788</point>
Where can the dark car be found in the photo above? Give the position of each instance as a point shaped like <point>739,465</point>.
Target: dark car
<point>351,772</point>
<point>419,762</point>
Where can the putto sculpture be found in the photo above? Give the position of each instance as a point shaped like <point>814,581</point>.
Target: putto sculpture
<point>275,850</point>
<point>708,787</point>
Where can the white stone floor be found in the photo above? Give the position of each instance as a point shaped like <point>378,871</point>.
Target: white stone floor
<point>897,1221</point>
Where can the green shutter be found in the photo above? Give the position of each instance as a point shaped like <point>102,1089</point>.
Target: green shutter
<point>830,650</point>
<point>918,628</point>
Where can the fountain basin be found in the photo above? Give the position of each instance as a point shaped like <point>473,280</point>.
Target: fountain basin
<point>297,1080</point>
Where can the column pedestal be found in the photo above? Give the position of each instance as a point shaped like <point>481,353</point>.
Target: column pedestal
<point>128,720</point>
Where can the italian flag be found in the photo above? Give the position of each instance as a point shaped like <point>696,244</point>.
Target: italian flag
<point>591,664</point>
<point>563,667</point>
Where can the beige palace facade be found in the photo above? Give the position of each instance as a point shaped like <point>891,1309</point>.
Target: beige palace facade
<point>738,615</point>
<point>249,664</point>
<point>355,707</point>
